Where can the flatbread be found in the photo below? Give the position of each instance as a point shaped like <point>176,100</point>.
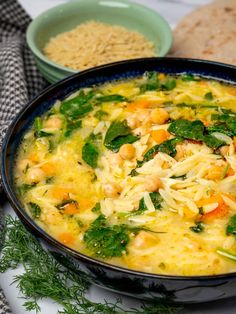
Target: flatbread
<point>208,33</point>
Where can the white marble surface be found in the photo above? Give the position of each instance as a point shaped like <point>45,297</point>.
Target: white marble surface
<point>173,11</point>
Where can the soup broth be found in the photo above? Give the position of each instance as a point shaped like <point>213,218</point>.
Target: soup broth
<point>139,173</point>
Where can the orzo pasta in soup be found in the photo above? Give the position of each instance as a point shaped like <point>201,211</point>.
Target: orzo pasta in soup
<point>140,173</point>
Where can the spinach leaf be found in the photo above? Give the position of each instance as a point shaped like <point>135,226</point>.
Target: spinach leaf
<point>118,134</point>
<point>77,107</point>
<point>24,188</point>
<point>112,98</point>
<point>38,125</point>
<point>71,126</point>
<point>168,147</point>
<point>35,210</point>
<point>152,82</point>
<point>198,228</point>
<point>209,96</point>
<point>213,142</point>
<point>227,123</point>
<point>106,241</point>
<point>231,227</point>
<point>187,129</point>
<point>96,208</point>
<point>90,154</point>
<point>221,128</point>
<point>156,200</point>
<point>90,150</point>
<point>194,130</point>
<point>169,84</point>
<point>100,114</point>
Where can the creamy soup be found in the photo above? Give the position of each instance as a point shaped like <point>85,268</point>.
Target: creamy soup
<point>139,173</point>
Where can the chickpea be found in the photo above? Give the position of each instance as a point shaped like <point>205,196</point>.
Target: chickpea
<point>224,150</point>
<point>53,122</point>
<point>159,116</point>
<point>35,175</point>
<point>133,123</point>
<point>127,151</point>
<point>153,184</point>
<point>112,189</point>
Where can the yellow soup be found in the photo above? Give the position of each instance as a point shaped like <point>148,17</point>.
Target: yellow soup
<point>140,173</point>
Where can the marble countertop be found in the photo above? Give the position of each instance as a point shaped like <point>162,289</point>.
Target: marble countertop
<point>173,11</point>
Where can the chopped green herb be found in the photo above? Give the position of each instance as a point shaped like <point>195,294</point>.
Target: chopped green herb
<point>106,241</point>
<point>49,180</point>
<point>118,134</point>
<point>42,133</point>
<point>24,188</point>
<point>231,227</point>
<point>35,210</point>
<point>209,96</point>
<point>227,254</point>
<point>96,208</point>
<point>198,228</point>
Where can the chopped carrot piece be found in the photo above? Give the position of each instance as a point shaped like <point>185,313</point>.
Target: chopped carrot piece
<point>48,168</point>
<point>220,212</point>
<point>61,193</point>
<point>160,136</point>
<point>211,200</point>
<point>215,173</point>
<point>140,104</point>
<point>71,209</point>
<point>86,203</point>
<point>230,172</point>
<point>33,157</point>
<point>66,238</point>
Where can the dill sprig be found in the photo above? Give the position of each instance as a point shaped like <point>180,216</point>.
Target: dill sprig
<point>45,277</point>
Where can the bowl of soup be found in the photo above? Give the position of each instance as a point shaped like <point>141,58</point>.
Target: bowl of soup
<point>129,170</point>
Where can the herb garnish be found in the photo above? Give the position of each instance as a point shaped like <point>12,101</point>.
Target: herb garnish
<point>24,188</point>
<point>90,150</point>
<point>231,227</point>
<point>198,228</point>
<point>35,210</point>
<point>44,277</point>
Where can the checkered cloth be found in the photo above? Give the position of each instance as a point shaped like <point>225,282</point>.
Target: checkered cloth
<point>19,78</point>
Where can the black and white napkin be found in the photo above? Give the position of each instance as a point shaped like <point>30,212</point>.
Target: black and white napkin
<point>19,77</point>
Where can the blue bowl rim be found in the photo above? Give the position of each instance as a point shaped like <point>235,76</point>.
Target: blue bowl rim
<point>46,60</point>
<point>35,229</point>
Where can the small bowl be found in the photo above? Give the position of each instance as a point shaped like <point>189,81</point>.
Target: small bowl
<point>67,16</point>
<point>169,288</point>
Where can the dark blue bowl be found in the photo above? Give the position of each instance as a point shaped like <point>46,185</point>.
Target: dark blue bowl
<point>181,289</point>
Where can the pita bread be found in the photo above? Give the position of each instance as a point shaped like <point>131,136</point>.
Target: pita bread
<point>208,33</point>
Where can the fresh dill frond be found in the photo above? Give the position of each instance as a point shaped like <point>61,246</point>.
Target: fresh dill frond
<point>45,277</point>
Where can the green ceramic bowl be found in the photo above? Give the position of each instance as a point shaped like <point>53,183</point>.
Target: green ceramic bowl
<point>67,16</point>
